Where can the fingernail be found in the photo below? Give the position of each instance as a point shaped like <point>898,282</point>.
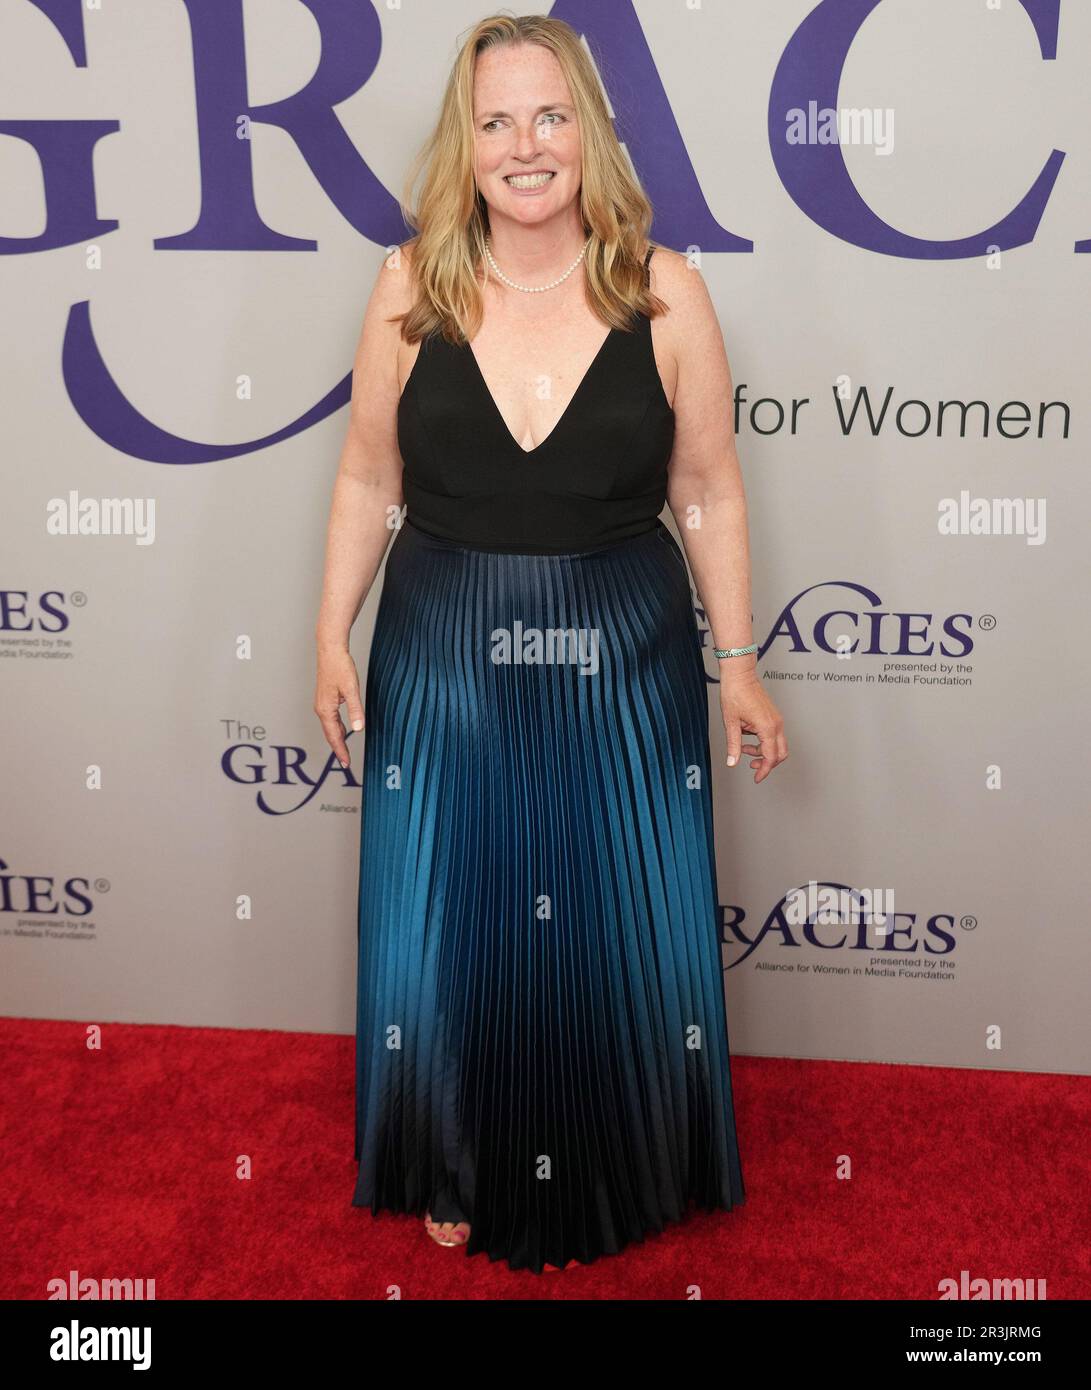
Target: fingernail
<point>344,765</point>
<point>357,724</point>
<point>731,760</point>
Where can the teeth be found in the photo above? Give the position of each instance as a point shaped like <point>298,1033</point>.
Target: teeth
<point>528,180</point>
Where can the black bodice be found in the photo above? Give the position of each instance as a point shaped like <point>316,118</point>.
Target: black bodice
<point>599,476</point>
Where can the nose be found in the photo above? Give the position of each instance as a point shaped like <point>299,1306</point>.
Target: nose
<point>528,142</point>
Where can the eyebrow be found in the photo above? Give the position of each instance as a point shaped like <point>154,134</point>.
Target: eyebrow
<point>549,106</point>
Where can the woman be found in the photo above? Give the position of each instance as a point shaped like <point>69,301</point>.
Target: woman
<point>542,1053</point>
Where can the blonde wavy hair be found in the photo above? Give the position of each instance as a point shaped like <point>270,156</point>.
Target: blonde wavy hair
<point>451,217</point>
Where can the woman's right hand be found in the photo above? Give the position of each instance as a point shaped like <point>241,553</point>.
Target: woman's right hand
<point>337,684</point>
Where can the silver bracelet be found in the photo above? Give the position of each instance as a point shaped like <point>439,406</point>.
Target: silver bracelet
<point>721,652</point>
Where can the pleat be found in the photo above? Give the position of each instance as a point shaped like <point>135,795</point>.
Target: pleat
<point>542,1044</point>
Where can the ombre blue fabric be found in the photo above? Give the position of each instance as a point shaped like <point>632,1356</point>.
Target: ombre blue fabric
<point>542,1045</point>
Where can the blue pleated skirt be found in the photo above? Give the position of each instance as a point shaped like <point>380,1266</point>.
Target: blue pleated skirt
<point>542,1044</point>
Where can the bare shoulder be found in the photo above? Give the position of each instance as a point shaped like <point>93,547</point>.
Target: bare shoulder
<point>687,338</point>
<point>392,291</point>
<point>677,281</point>
<point>378,366</point>
<point>392,294</point>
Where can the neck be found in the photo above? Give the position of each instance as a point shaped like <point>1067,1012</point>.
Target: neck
<point>532,255</point>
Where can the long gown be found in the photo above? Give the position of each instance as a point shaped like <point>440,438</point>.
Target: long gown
<point>542,1044</point>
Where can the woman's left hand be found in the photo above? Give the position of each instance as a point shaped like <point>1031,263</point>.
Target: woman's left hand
<point>748,708</point>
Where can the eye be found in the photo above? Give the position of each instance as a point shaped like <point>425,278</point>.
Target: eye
<point>489,124</point>
<point>553,116</point>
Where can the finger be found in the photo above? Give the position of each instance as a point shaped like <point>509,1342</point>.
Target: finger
<point>752,749</point>
<point>355,709</point>
<point>768,755</point>
<point>334,731</point>
<point>734,741</point>
<point>779,744</point>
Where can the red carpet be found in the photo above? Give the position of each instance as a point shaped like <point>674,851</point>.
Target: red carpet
<point>121,1163</point>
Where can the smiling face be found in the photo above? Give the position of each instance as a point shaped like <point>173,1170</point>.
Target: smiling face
<point>527,141</point>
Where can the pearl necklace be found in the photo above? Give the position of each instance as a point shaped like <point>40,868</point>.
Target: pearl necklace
<point>536,289</point>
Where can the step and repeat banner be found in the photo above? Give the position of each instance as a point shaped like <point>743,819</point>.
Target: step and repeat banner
<point>890,201</point>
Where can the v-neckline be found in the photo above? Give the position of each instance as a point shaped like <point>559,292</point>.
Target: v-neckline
<point>529,453</point>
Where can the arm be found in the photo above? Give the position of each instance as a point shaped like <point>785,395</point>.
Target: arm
<point>707,500</point>
<point>367,498</point>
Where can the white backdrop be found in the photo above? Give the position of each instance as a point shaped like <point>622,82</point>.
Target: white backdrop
<point>174,847</point>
